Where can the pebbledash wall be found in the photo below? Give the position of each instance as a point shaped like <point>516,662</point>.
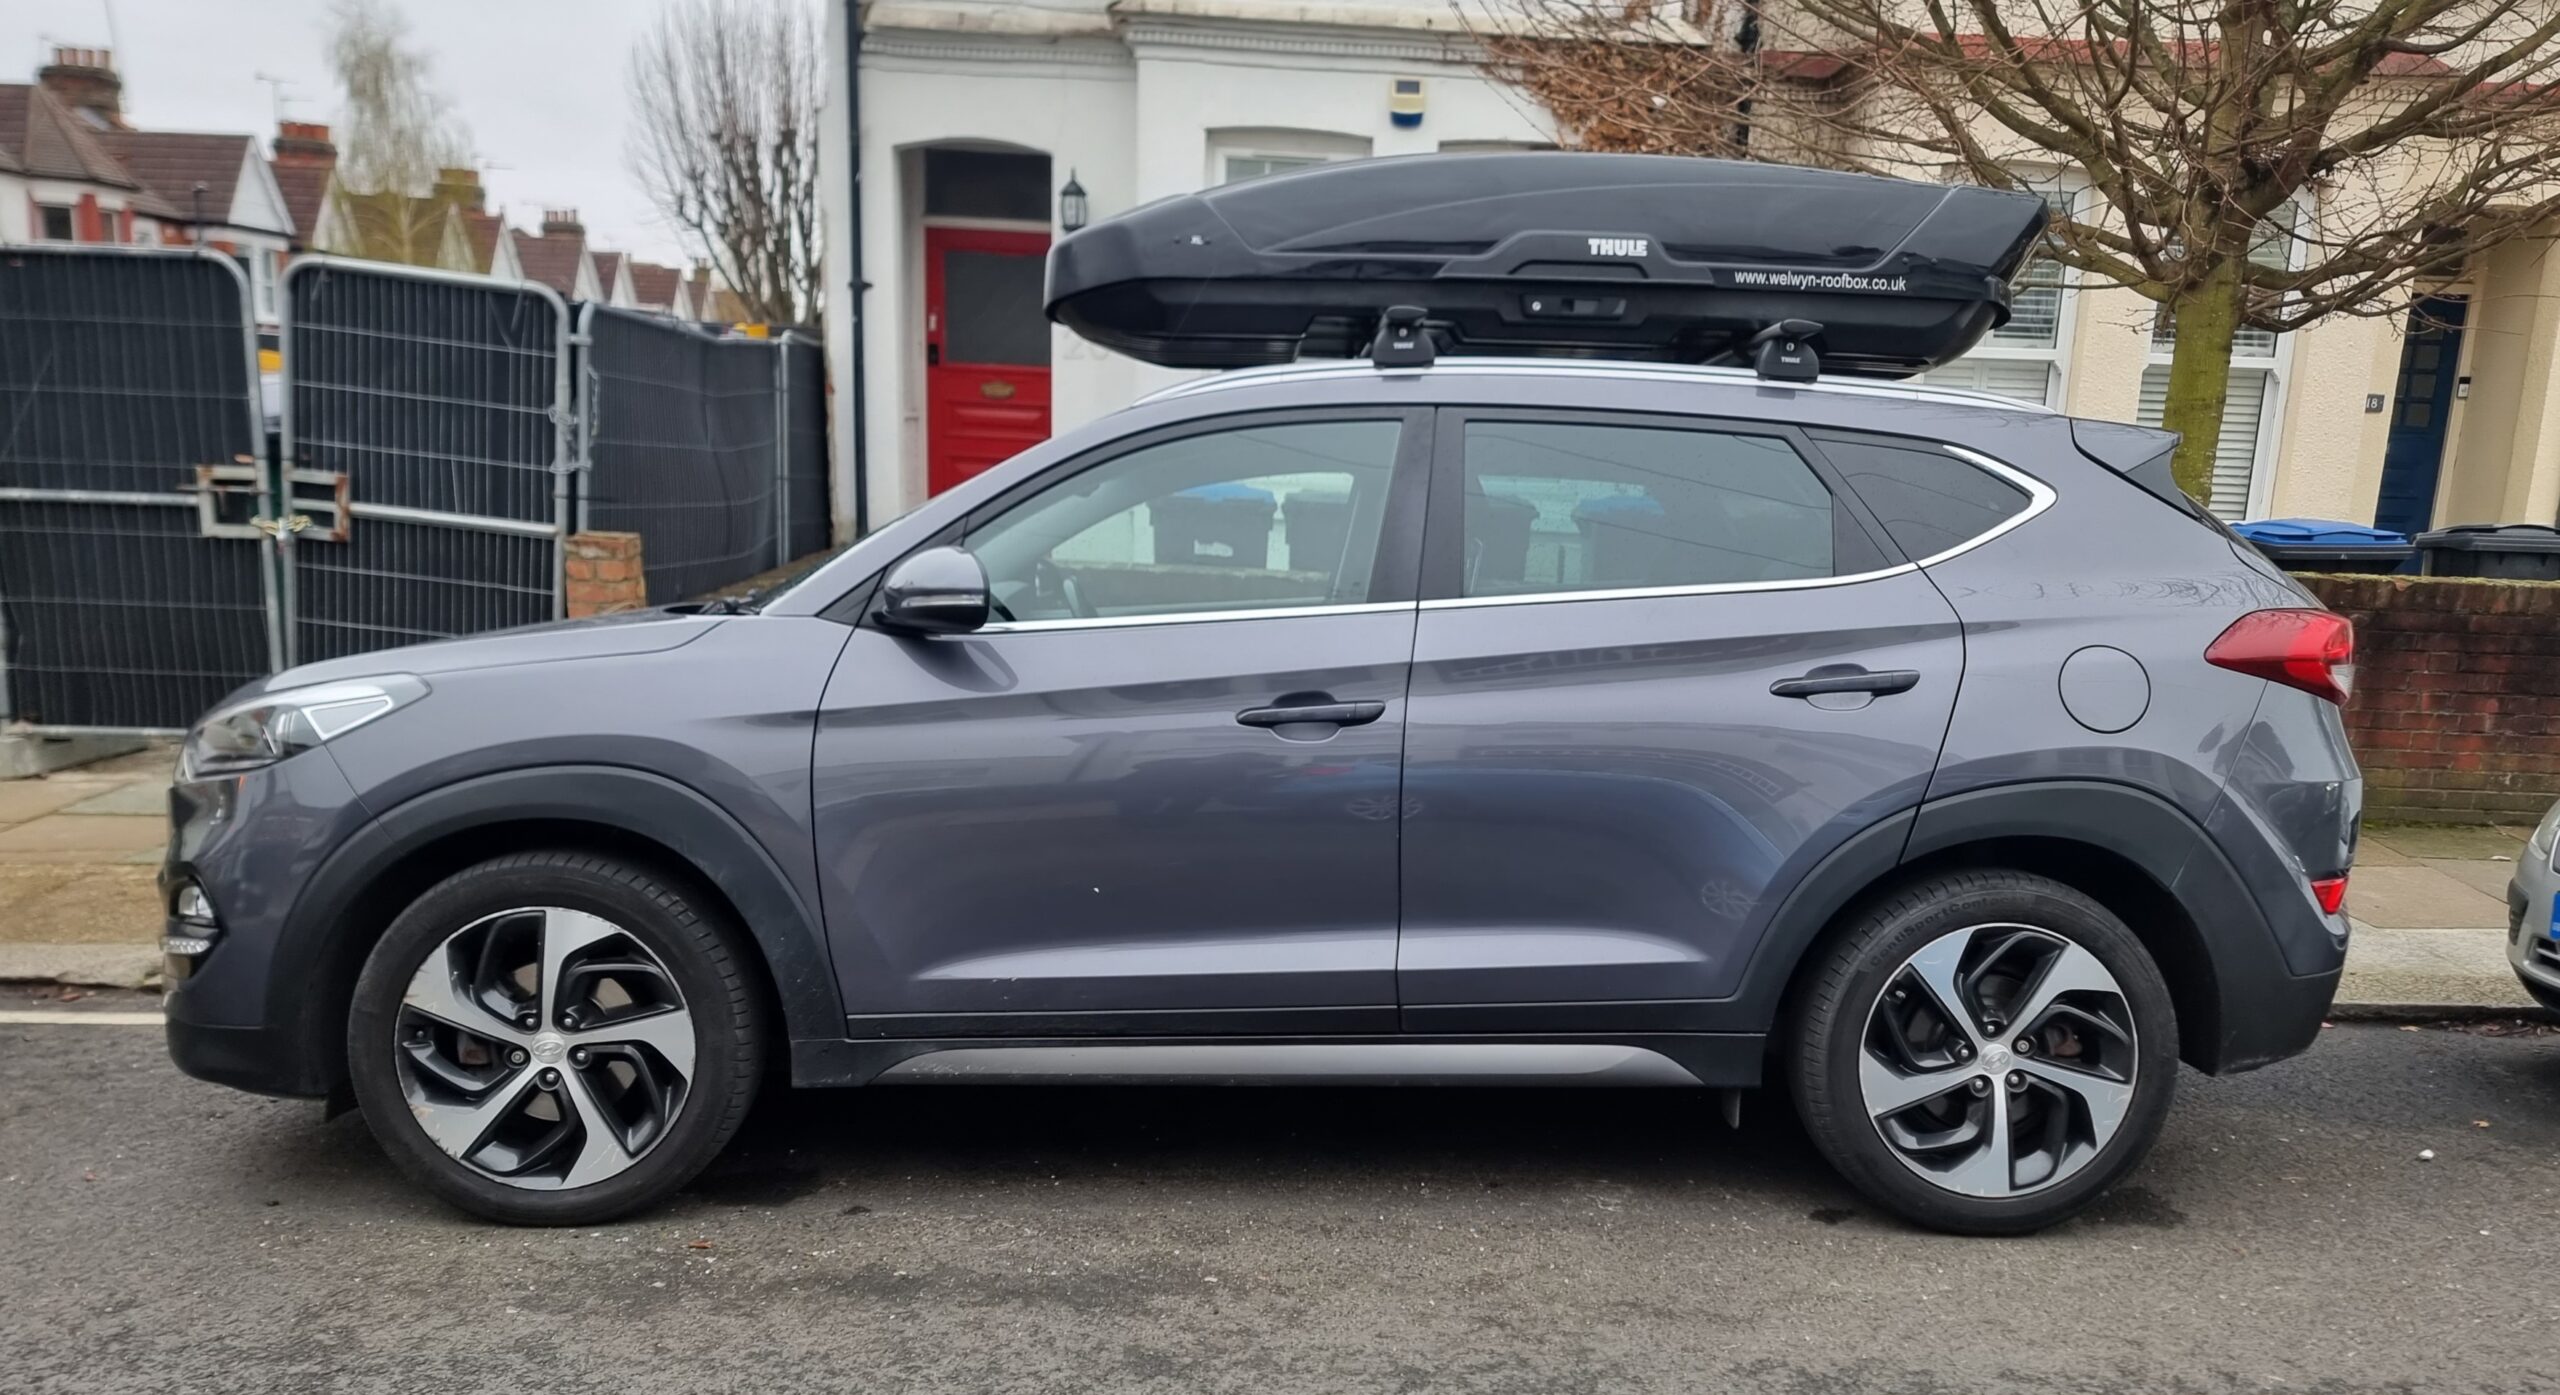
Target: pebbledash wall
<point>2456,712</point>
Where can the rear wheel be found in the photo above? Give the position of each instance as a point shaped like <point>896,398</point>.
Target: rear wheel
<point>1984,1052</point>
<point>553,1039</point>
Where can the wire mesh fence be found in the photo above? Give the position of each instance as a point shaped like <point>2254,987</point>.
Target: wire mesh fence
<point>158,550</point>
<point>425,427</point>
<point>133,593</point>
<point>697,443</point>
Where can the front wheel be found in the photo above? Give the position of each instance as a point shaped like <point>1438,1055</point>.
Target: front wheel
<point>553,1038</point>
<point>1984,1052</point>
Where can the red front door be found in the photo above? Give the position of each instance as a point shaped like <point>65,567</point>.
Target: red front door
<point>986,350</point>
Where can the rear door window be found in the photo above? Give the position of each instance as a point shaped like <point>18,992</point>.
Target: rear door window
<point>1929,500</point>
<point>1567,506</point>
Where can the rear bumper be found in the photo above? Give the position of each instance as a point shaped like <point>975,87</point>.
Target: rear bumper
<point>2281,1018</point>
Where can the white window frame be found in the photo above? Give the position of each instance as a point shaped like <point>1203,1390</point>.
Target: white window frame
<point>2063,192</point>
<point>2276,363</point>
<point>70,221</point>
<point>1300,147</point>
<point>263,269</point>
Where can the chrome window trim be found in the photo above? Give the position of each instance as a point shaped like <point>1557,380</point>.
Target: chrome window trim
<point>1568,368</point>
<point>1192,617</point>
<point>2040,497</point>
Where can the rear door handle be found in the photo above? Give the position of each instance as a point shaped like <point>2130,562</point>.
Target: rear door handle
<point>1341,714</point>
<point>1847,678</point>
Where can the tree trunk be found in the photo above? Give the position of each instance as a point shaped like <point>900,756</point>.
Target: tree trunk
<point>2207,316</point>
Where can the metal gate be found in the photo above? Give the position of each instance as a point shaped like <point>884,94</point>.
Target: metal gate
<point>425,453</point>
<point>711,447</point>
<point>135,584</point>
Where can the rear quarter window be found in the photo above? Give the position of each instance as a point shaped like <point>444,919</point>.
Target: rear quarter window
<point>1929,500</point>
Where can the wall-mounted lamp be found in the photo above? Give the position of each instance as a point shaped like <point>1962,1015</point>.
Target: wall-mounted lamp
<point>1072,209</point>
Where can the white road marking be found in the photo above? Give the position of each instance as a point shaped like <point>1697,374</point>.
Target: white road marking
<point>44,1018</point>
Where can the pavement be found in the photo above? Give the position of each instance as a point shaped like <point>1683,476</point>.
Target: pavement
<point>79,848</point>
<point>2377,1215</point>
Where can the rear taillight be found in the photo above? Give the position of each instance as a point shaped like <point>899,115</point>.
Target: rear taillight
<point>2330,892</point>
<point>2314,650</point>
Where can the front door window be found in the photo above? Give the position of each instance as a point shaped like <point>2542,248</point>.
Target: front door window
<point>1270,517</point>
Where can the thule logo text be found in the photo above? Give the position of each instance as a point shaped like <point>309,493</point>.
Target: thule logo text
<point>1619,246</point>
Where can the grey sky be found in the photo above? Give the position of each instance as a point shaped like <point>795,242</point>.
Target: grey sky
<point>538,82</point>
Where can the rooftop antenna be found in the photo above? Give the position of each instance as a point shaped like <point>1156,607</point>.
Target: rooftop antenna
<point>276,98</point>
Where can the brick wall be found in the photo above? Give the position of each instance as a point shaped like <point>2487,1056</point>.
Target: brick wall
<point>2456,714</point>
<point>604,574</point>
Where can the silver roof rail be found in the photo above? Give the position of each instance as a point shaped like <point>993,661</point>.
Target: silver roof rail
<point>1324,369</point>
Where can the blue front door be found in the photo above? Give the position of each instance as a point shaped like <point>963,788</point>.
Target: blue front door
<point>2420,401</point>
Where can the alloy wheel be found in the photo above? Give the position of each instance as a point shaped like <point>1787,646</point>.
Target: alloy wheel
<point>1998,1060</point>
<point>544,1048</point>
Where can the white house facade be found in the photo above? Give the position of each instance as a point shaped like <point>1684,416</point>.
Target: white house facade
<point>975,117</point>
<point>976,123</point>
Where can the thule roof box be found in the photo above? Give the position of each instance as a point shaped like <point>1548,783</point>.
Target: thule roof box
<point>1552,253</point>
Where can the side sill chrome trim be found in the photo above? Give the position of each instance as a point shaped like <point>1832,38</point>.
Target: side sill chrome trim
<point>1489,1063</point>
<point>1197,617</point>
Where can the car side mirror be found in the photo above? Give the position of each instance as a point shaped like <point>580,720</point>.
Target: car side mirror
<point>939,591</point>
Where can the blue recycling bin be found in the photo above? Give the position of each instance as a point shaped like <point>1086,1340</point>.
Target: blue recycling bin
<point>2326,545</point>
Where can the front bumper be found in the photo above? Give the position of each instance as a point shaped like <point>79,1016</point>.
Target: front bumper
<point>260,1060</point>
<point>238,1014</point>
<point>2531,914</point>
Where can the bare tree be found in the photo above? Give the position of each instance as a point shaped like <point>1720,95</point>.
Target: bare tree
<point>397,134</point>
<point>2252,163</point>
<point>726,96</point>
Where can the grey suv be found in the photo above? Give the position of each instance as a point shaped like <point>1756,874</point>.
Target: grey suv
<point>1920,754</point>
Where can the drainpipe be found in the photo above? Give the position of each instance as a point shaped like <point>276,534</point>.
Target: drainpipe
<point>857,285</point>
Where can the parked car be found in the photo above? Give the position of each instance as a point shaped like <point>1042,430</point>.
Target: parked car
<point>2533,913</point>
<point>1924,755</point>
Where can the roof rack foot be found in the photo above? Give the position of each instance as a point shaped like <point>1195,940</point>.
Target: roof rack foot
<point>1782,354</point>
<point>1402,341</point>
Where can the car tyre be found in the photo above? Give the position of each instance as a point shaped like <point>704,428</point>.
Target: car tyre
<point>563,1081</point>
<point>1957,1126</point>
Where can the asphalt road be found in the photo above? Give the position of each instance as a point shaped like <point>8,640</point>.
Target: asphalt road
<point>163,1235</point>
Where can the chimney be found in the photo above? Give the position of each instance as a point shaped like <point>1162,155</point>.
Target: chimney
<point>84,79</point>
<point>562,222</point>
<point>304,144</point>
<point>462,187</point>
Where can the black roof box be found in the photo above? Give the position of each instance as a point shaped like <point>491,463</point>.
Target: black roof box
<point>1550,253</point>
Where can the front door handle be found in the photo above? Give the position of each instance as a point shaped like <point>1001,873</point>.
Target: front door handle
<point>1340,714</point>
<point>1846,678</point>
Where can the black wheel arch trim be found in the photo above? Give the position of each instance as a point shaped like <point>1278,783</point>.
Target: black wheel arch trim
<point>2256,1009</point>
<point>717,849</point>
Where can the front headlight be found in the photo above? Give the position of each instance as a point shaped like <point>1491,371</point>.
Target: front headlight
<point>271,726</point>
<point>2546,839</point>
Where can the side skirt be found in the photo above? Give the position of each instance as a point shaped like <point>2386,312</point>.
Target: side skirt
<point>1643,1059</point>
